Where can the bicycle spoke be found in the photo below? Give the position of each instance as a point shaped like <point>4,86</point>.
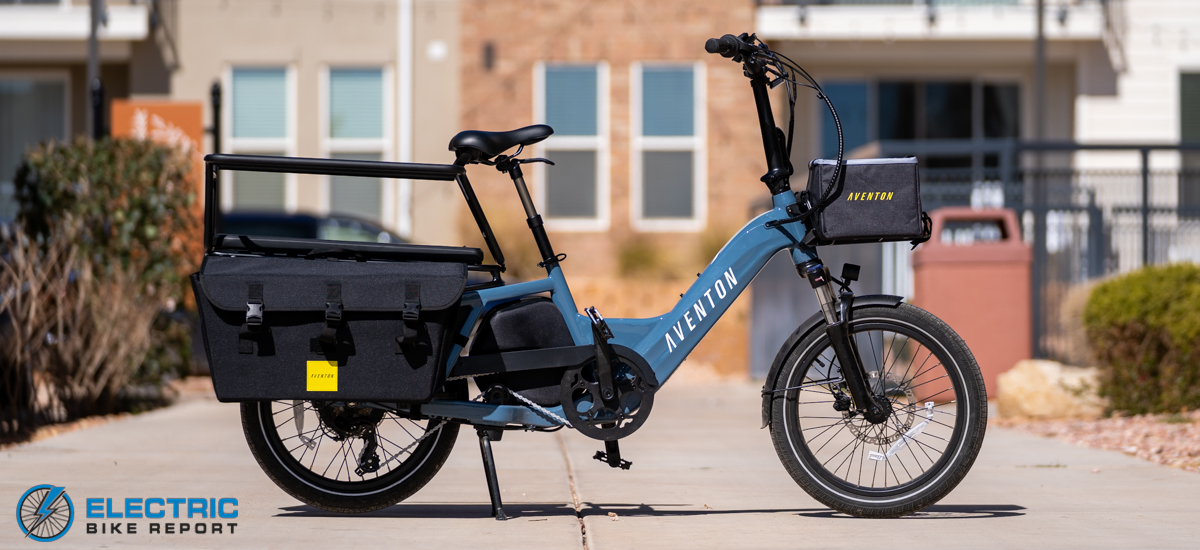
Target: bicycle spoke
<point>909,443</point>
<point>928,381</point>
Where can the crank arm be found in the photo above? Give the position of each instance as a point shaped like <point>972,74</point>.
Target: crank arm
<point>604,355</point>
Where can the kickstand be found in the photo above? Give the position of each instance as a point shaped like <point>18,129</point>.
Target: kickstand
<point>486,436</point>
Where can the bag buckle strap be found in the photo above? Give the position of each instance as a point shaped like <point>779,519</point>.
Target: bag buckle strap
<point>410,334</point>
<point>412,302</point>
<point>252,328</point>
<point>333,313</point>
<point>254,305</point>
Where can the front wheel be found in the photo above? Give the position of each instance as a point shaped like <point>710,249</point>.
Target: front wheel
<point>914,457</point>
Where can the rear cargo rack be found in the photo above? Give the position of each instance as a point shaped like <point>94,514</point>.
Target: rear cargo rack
<point>213,164</point>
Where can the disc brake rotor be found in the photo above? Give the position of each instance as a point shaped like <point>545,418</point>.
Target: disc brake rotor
<point>903,402</point>
<point>615,418</point>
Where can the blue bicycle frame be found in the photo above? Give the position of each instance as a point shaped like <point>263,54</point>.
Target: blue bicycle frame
<point>664,341</point>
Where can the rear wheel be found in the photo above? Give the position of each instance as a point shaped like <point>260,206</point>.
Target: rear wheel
<point>345,459</point>
<point>919,453</point>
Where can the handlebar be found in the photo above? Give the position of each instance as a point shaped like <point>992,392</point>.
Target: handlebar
<point>742,49</point>
<point>728,46</point>
<point>767,69</point>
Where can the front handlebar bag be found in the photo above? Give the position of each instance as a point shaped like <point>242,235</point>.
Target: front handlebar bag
<point>327,328</point>
<point>874,200</point>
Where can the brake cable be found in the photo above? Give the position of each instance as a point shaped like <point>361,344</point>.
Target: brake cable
<point>786,69</point>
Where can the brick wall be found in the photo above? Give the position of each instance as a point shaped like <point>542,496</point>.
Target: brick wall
<point>521,33</point>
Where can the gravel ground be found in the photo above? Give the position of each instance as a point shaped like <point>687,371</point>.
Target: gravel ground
<point>1172,439</point>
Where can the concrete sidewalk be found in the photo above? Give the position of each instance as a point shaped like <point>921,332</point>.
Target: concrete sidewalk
<point>704,475</point>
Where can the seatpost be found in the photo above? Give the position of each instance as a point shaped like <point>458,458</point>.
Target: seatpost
<point>513,168</point>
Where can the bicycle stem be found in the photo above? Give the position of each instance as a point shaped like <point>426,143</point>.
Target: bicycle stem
<point>778,167</point>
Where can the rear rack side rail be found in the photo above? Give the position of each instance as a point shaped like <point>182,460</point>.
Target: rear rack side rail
<point>214,163</point>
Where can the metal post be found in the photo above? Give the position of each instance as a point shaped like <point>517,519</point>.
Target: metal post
<point>96,13</point>
<point>1039,181</point>
<point>1145,207</point>
<point>96,112</point>
<point>211,203</point>
<point>216,116</point>
<point>1006,165</point>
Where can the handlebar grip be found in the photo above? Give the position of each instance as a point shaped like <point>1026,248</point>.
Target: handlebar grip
<point>727,46</point>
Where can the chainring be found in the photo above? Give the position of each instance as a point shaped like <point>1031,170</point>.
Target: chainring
<point>620,416</point>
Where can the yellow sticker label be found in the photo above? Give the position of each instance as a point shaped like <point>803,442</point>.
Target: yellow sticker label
<point>322,375</point>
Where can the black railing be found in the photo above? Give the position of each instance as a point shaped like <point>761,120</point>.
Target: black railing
<point>1082,223</point>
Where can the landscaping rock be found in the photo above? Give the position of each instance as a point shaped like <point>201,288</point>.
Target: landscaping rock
<point>1041,389</point>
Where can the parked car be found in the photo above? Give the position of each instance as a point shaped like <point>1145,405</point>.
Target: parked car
<point>279,224</point>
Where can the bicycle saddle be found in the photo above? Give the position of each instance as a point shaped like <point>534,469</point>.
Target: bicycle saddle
<point>479,145</point>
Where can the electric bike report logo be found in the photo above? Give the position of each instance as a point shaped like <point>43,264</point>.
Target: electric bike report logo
<point>45,513</point>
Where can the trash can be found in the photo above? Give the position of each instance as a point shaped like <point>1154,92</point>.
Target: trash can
<point>974,274</point>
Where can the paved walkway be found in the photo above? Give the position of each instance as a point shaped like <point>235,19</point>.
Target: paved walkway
<point>704,476</point>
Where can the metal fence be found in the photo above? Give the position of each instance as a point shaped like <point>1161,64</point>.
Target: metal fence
<point>1084,224</point>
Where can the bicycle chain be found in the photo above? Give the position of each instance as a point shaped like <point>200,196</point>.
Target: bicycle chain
<point>541,409</point>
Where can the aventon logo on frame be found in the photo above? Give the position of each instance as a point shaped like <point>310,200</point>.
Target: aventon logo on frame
<point>45,513</point>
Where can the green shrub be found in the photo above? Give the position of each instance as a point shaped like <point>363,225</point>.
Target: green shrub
<point>99,250</point>
<point>121,200</point>
<point>1144,328</point>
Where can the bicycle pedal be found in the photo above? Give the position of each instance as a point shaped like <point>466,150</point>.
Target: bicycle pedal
<point>603,457</point>
<point>599,324</point>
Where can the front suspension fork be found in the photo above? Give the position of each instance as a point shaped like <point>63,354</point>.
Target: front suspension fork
<point>837,312</point>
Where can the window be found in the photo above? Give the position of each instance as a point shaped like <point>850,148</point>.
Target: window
<point>851,101</point>
<point>33,109</point>
<point>907,110</point>
<point>573,194</point>
<point>1189,131</point>
<point>260,122</point>
<point>357,126</point>
<point>667,147</point>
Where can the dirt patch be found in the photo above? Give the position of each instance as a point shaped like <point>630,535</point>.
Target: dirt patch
<point>1169,439</point>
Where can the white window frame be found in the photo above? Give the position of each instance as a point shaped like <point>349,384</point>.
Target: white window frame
<point>697,144</point>
<point>384,146</point>
<point>598,143</point>
<point>286,144</point>
<point>39,75</point>
<point>47,75</point>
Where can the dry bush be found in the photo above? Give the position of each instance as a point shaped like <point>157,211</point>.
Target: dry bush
<point>98,250</point>
<point>71,339</point>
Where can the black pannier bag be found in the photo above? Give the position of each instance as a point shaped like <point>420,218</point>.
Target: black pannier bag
<point>326,320</point>
<point>874,200</point>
